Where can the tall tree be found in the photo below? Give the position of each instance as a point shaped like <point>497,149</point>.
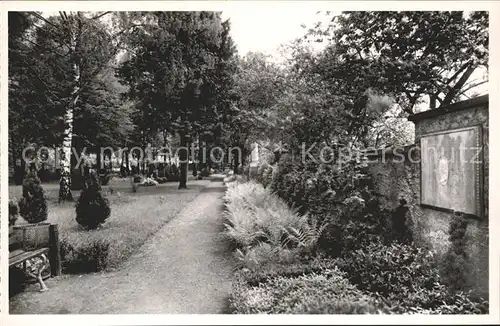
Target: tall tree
<point>171,73</point>
<point>67,52</point>
<point>258,85</point>
<point>409,55</point>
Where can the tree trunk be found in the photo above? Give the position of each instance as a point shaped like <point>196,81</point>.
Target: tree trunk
<point>76,173</point>
<point>127,163</point>
<point>98,161</point>
<point>432,101</point>
<point>236,163</point>
<point>122,165</point>
<point>183,157</point>
<point>458,86</point>
<point>65,181</point>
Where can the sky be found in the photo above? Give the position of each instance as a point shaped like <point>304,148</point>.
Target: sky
<point>254,29</point>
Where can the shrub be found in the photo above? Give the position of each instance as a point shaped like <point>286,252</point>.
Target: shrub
<point>328,292</point>
<point>87,256</point>
<point>33,204</point>
<point>318,188</point>
<point>339,194</point>
<point>137,179</point>
<point>265,174</point>
<point>455,260</point>
<point>162,170</point>
<point>92,208</point>
<point>173,173</point>
<point>13,212</point>
<point>407,278</point>
<point>205,172</point>
<point>105,178</point>
<point>391,270</point>
<point>354,225</point>
<point>437,300</point>
<point>271,269</point>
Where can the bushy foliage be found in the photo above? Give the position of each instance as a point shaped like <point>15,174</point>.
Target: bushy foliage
<point>455,260</point>
<point>105,178</point>
<point>406,277</point>
<point>438,300</point>
<point>395,269</point>
<point>92,208</point>
<point>172,172</point>
<point>265,174</point>
<point>337,194</point>
<point>33,204</point>
<point>325,292</point>
<point>137,178</point>
<point>87,256</point>
<point>13,212</point>
<point>385,271</point>
<point>319,188</point>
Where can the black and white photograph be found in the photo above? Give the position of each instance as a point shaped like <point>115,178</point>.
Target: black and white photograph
<point>273,159</point>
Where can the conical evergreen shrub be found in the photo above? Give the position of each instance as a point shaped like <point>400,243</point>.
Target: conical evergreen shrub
<point>33,204</point>
<point>92,208</point>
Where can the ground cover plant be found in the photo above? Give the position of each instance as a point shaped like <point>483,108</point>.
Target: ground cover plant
<point>407,278</point>
<point>325,292</point>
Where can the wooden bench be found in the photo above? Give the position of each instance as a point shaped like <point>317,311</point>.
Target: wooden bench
<point>47,251</point>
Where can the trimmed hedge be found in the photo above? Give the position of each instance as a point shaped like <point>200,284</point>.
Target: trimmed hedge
<point>88,255</point>
<point>326,292</point>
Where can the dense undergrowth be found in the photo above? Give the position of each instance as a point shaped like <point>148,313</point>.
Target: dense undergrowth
<point>312,240</point>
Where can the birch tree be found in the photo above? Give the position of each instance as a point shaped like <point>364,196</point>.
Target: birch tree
<point>68,52</point>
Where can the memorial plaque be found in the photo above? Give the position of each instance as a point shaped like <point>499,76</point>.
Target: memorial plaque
<point>451,170</point>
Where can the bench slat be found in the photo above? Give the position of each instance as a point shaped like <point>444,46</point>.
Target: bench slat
<point>25,255</point>
<point>15,253</point>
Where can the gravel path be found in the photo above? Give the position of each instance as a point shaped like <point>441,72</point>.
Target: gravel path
<point>184,268</point>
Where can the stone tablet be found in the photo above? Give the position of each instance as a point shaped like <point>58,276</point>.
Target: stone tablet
<point>451,170</point>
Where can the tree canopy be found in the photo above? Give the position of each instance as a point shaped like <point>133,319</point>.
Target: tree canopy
<point>408,54</point>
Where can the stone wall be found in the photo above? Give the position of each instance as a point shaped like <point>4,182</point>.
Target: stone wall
<point>396,173</point>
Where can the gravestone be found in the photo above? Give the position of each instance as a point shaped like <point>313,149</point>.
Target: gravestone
<point>254,163</point>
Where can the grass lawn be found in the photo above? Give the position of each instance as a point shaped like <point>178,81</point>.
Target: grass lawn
<point>134,216</point>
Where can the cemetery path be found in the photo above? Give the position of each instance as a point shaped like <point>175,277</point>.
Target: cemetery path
<point>184,268</point>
